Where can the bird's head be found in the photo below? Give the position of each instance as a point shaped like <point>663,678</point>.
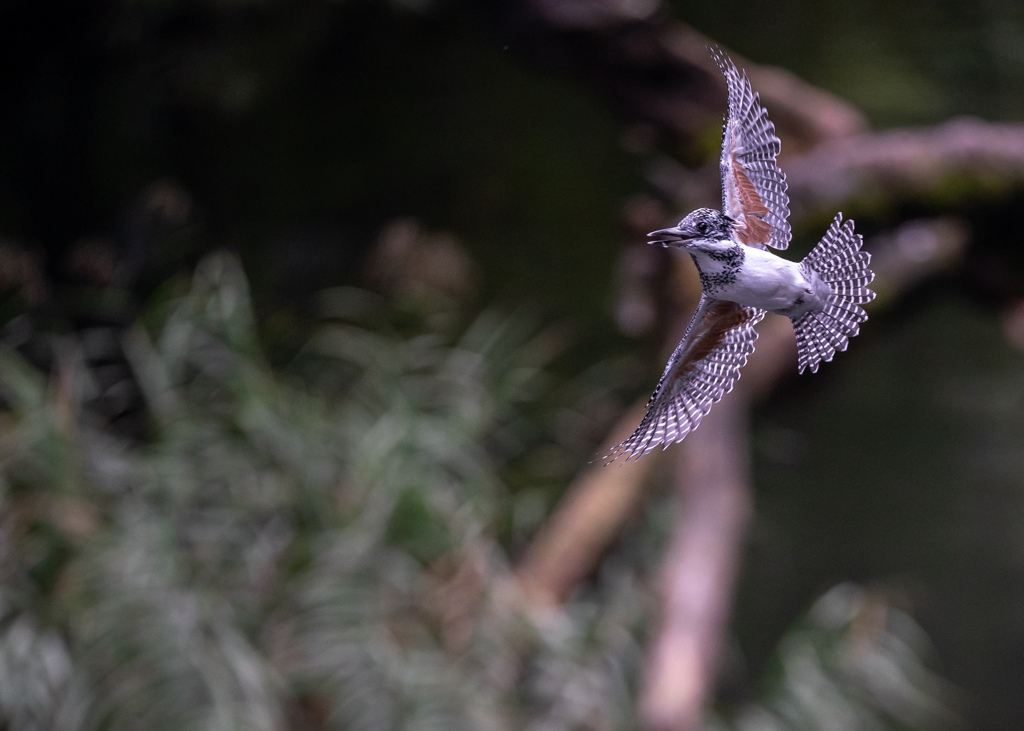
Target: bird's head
<point>704,226</point>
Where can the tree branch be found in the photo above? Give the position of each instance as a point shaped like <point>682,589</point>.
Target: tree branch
<point>908,164</point>
<point>713,483</point>
<point>588,519</point>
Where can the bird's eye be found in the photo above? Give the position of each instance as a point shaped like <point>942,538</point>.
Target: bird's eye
<point>702,227</point>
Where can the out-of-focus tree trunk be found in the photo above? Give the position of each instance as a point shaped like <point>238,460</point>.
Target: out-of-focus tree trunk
<point>715,502</point>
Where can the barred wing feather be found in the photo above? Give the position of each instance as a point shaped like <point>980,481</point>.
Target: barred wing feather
<point>702,369</point>
<point>754,191</point>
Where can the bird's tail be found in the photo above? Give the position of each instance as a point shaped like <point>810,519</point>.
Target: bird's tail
<point>838,261</point>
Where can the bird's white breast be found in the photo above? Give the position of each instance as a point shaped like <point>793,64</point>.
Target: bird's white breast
<point>771,283</point>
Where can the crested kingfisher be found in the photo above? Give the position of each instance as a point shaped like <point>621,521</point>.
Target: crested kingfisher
<point>741,280</point>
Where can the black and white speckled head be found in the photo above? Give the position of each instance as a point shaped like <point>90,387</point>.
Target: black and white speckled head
<point>703,225</point>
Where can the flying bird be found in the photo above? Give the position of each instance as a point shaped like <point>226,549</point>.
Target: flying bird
<point>741,279</point>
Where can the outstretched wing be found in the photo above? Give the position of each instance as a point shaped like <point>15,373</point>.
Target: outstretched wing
<point>703,368</point>
<point>753,187</point>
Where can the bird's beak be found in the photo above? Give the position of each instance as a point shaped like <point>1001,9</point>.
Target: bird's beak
<point>673,235</point>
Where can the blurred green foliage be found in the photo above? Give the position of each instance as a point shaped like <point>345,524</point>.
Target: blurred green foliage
<point>308,549</point>
<point>312,548</point>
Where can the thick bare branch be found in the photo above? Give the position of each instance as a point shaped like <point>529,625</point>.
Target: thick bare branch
<point>587,521</point>
<point>908,164</point>
<point>657,70</point>
<point>713,483</point>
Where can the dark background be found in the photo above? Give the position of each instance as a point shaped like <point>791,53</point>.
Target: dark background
<point>292,133</point>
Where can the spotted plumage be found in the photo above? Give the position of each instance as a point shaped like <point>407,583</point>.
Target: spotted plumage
<point>741,280</point>
<point>715,282</point>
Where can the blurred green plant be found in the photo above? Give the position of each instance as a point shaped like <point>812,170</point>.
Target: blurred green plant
<point>309,548</point>
<point>313,547</point>
<point>852,662</point>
